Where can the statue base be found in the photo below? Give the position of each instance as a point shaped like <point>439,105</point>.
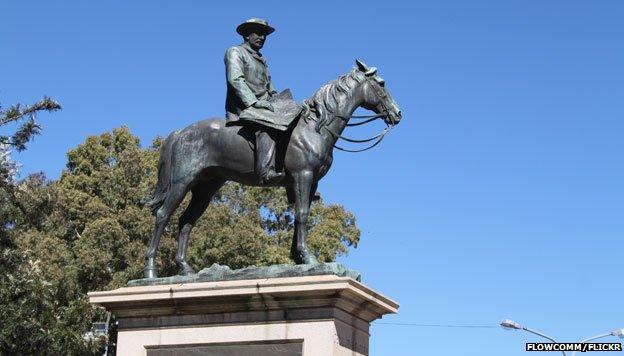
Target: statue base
<point>216,272</point>
<point>304,315</point>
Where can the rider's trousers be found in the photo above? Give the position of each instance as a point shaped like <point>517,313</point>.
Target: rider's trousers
<point>264,154</point>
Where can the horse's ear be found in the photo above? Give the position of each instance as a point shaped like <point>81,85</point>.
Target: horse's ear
<point>364,68</point>
<point>361,66</point>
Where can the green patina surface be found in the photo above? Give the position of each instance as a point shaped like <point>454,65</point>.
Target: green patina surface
<point>217,272</point>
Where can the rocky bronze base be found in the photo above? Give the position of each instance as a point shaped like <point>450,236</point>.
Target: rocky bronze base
<point>217,273</point>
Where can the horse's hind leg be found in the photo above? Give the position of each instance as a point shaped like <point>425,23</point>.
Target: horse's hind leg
<point>174,196</point>
<point>202,194</point>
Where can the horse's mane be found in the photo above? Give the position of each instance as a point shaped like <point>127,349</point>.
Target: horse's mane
<point>325,101</point>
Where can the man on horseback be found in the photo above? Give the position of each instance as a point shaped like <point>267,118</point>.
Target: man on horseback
<point>249,86</point>
<point>203,156</point>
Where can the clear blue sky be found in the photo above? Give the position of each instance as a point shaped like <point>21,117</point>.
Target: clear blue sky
<point>501,193</point>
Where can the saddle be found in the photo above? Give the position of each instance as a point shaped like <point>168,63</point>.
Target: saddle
<point>286,111</point>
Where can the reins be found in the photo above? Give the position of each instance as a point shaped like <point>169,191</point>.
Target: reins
<point>370,118</point>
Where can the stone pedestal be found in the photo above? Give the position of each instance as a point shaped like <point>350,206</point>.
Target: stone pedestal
<point>311,316</point>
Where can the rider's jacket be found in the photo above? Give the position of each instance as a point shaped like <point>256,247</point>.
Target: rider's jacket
<point>248,80</point>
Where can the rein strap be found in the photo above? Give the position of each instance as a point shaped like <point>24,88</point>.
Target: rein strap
<point>379,137</point>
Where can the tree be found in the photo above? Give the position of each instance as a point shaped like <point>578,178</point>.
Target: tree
<point>89,231</point>
<point>34,321</point>
<point>33,318</point>
<point>26,114</point>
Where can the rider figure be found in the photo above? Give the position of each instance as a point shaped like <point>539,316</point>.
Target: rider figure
<point>249,84</point>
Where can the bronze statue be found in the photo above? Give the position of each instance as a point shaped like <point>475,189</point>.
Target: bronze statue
<point>249,85</point>
<point>202,157</point>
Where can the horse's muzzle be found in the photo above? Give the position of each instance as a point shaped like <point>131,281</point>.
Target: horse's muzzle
<point>393,117</point>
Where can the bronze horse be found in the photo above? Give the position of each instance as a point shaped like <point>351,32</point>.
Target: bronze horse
<point>203,156</point>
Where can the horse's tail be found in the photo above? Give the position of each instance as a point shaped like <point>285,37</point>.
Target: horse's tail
<point>164,175</point>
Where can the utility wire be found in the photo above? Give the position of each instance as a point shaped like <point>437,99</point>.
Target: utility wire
<point>441,325</point>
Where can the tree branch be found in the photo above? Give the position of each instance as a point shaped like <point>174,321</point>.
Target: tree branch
<point>16,112</point>
<point>29,128</point>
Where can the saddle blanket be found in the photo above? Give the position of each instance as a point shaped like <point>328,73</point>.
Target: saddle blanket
<point>286,111</point>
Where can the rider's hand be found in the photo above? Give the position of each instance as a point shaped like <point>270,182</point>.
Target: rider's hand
<point>263,104</point>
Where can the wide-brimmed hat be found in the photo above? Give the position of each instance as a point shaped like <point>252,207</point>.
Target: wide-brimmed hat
<point>254,24</point>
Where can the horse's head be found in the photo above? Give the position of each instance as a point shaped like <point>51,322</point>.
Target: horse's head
<point>376,96</point>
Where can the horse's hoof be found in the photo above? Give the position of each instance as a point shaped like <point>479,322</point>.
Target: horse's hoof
<point>310,260</point>
<point>305,259</point>
<point>186,271</point>
<point>150,273</point>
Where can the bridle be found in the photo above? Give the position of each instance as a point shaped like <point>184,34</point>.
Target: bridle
<point>385,113</point>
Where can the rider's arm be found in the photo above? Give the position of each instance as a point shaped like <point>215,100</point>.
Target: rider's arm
<point>272,90</point>
<point>236,78</point>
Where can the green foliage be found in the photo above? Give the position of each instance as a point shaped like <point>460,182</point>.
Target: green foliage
<point>30,127</point>
<point>34,321</point>
<point>17,140</point>
<point>88,231</point>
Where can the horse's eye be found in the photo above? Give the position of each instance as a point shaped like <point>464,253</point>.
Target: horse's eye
<point>380,81</point>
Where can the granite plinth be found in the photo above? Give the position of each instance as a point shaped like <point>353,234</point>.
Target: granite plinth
<point>311,315</point>
<point>217,272</point>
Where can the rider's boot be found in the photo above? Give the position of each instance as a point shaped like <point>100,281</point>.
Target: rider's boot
<point>265,150</point>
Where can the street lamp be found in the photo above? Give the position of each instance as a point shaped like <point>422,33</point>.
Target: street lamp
<point>619,333</point>
<point>512,325</point>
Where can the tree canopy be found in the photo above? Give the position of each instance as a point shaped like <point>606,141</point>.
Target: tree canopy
<point>25,116</point>
<point>88,231</point>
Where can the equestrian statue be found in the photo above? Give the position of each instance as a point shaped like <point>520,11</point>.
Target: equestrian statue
<point>266,139</point>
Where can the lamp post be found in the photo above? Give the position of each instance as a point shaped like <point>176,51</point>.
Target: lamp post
<point>619,333</point>
<point>512,325</point>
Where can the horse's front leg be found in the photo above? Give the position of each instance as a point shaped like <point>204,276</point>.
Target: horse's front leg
<point>302,185</point>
